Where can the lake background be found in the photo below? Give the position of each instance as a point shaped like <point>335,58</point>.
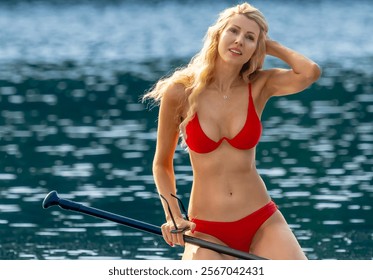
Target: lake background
<point>71,77</point>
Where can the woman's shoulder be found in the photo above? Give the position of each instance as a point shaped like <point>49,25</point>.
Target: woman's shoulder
<point>176,89</point>
<point>176,92</point>
<point>261,76</point>
<point>175,95</point>
<point>259,81</point>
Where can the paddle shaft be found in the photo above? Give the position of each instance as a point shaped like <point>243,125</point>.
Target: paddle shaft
<point>53,199</point>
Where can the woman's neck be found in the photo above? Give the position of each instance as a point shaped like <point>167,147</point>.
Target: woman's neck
<point>226,76</point>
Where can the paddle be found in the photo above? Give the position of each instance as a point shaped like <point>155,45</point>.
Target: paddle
<point>53,199</point>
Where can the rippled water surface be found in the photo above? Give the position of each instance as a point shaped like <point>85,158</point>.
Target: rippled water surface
<point>72,74</point>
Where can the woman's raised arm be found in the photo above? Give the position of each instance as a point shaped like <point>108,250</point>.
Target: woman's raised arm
<point>302,73</point>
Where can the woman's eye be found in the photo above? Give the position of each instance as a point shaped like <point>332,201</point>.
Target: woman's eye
<point>233,30</point>
<point>251,38</point>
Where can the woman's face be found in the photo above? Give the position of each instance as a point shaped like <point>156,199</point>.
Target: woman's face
<point>238,40</point>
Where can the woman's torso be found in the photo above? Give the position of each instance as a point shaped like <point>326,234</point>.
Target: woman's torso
<point>226,184</point>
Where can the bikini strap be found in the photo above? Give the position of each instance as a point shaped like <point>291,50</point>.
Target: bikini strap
<point>251,101</point>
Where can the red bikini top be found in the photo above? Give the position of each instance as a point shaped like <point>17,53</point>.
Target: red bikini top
<point>246,139</point>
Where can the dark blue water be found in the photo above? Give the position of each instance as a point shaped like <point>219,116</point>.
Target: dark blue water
<point>72,74</point>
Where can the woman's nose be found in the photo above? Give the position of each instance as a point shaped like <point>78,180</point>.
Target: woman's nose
<point>239,40</point>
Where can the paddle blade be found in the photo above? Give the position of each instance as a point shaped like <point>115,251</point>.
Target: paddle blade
<point>51,199</point>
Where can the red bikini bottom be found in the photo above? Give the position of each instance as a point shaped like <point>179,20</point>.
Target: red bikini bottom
<point>237,234</point>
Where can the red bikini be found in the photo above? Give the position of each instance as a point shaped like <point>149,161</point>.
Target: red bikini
<point>236,234</point>
<point>246,139</point>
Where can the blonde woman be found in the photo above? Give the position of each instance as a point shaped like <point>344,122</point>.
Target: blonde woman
<point>215,104</point>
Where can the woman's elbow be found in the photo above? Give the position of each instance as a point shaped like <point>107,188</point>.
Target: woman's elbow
<point>314,73</point>
<point>156,167</point>
<point>159,166</point>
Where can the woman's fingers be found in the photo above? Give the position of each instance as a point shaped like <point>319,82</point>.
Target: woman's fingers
<point>174,236</point>
<point>167,235</point>
<point>192,227</point>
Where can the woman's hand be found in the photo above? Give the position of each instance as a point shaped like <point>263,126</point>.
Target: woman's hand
<point>270,46</point>
<point>173,239</point>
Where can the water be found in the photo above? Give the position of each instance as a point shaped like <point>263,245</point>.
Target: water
<point>72,73</point>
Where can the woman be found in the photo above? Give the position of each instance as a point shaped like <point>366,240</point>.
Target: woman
<point>215,104</point>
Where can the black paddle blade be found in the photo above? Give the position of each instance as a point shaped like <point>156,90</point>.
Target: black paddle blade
<point>51,199</point>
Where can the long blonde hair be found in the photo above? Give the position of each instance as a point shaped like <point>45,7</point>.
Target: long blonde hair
<point>200,70</point>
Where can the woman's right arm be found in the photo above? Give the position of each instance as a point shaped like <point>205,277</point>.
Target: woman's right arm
<point>163,170</point>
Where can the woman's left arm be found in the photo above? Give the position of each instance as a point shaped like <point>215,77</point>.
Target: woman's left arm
<point>302,74</point>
